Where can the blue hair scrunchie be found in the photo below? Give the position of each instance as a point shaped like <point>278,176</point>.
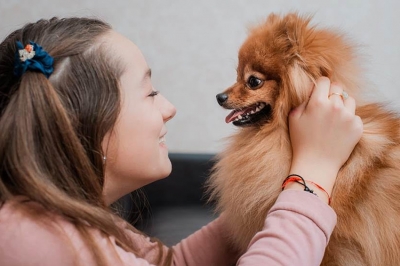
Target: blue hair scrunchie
<point>32,57</point>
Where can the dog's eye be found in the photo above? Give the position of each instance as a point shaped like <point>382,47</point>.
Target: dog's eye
<point>254,82</point>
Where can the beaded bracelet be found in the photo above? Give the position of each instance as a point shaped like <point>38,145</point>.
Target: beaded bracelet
<point>300,180</point>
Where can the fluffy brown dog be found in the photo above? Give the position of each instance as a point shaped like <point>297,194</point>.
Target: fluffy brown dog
<point>277,64</point>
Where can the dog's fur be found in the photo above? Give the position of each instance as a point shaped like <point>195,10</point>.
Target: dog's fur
<point>288,54</point>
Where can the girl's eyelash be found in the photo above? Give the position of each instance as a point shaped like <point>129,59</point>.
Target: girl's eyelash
<point>154,93</point>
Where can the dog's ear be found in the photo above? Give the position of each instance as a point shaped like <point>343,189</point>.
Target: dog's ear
<point>306,44</point>
<point>273,18</point>
<point>320,52</point>
<point>297,29</point>
<point>300,84</point>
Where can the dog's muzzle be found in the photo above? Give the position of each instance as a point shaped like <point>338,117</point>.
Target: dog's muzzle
<point>221,98</point>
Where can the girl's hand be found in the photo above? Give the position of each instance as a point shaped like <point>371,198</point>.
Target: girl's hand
<point>323,134</point>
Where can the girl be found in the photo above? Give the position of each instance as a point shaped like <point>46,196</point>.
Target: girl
<point>81,126</point>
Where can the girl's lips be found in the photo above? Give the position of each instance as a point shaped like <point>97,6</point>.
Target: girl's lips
<point>161,140</point>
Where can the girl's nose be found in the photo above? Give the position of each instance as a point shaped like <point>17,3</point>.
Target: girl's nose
<point>168,110</point>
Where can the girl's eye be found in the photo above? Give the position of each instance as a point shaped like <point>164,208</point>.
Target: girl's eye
<point>254,82</point>
<point>154,93</point>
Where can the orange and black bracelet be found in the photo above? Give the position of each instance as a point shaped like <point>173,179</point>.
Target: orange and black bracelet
<point>300,180</point>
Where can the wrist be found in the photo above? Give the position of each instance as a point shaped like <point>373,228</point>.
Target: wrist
<point>323,174</point>
<point>315,189</point>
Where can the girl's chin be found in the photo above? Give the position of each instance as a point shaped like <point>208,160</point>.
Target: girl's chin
<point>167,168</point>
<point>165,162</point>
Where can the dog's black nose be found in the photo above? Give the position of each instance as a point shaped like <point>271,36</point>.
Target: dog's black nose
<point>221,98</point>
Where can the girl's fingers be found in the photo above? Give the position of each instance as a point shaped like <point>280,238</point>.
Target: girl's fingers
<point>298,111</point>
<point>350,104</point>
<point>321,90</point>
<point>335,95</point>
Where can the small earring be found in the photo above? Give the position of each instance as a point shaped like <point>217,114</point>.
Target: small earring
<point>104,159</point>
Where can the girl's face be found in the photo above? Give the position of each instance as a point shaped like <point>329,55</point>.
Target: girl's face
<point>135,149</point>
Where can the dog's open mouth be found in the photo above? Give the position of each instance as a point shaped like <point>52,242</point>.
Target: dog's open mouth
<point>249,115</point>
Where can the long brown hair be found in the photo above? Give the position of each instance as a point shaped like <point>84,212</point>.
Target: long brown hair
<point>52,129</point>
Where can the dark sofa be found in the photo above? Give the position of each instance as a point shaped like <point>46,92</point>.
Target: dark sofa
<point>173,208</point>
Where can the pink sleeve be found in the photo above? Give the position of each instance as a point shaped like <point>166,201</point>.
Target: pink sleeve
<point>296,232</point>
<point>208,246</point>
<point>25,240</point>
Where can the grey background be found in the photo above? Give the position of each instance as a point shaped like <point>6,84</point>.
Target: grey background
<point>192,47</point>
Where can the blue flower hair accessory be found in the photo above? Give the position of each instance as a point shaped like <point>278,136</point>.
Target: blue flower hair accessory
<point>32,57</point>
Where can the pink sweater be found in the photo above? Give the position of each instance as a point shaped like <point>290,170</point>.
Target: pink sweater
<point>295,232</point>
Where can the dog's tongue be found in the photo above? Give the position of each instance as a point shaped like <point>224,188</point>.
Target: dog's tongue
<point>232,116</point>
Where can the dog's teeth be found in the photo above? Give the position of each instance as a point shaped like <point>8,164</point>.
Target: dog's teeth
<point>252,112</point>
<point>257,109</point>
<point>262,105</point>
<point>239,116</point>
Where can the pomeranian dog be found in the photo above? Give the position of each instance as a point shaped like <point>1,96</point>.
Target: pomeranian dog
<point>277,63</point>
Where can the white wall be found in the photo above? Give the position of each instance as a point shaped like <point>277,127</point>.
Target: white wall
<point>192,46</point>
